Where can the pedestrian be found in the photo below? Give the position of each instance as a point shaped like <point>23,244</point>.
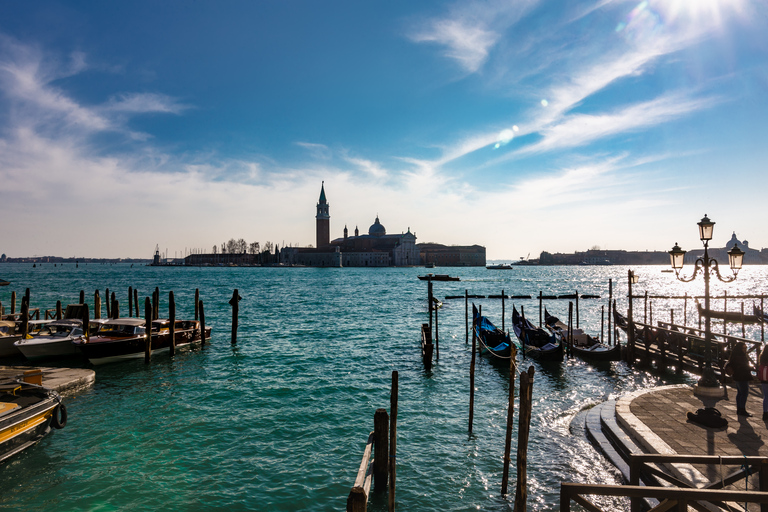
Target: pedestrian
<point>762,374</point>
<point>738,367</point>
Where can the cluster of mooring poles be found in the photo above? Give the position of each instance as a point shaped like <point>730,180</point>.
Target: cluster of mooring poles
<point>380,471</point>
<point>81,312</point>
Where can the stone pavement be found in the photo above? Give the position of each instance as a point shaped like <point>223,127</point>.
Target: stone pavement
<point>656,419</point>
<point>61,380</point>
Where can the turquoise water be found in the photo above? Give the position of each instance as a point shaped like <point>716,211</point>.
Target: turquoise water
<point>279,421</point>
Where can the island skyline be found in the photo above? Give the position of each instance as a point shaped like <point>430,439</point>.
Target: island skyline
<point>524,127</point>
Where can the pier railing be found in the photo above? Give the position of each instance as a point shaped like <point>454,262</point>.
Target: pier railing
<point>646,464</point>
<point>671,498</point>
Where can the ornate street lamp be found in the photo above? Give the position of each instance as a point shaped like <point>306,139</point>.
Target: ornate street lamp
<point>708,384</point>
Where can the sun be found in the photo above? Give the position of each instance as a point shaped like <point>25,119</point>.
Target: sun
<point>705,12</point>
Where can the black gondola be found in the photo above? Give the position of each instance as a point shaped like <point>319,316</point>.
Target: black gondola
<point>535,341</point>
<point>584,345</point>
<point>492,339</point>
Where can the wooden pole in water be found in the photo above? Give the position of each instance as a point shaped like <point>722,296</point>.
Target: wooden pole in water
<point>472,378</point>
<point>725,310</point>
<point>86,325</point>
<point>156,303</point>
<point>762,324</point>
<point>172,319</point>
<point>115,307</point>
<point>130,301</point>
<point>685,309</point>
<point>437,338</point>
<point>569,352</point>
<point>148,327</point>
<point>24,317</point>
<point>82,297</point>
<point>380,449</point>
<point>96,304</point>
<point>610,311</point>
<point>429,300</point>
<point>13,303</point>
<point>650,312</point>
<point>108,304</point>
<point>234,301</point>
<point>58,310</point>
<point>541,301</point>
<point>466,316</point>
<point>602,324</point>
<point>202,323</point>
<point>510,422</point>
<point>136,301</point>
<point>197,302</point>
<point>524,425</point>
<point>502,312</point>
<point>743,327</point>
<point>577,309</point>
<point>392,442</point>
<point>672,316</point>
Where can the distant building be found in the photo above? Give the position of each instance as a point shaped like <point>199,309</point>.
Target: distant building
<point>376,249</point>
<point>452,255</point>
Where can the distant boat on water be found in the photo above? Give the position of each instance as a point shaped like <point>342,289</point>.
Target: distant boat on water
<point>500,266</point>
<point>4,283</point>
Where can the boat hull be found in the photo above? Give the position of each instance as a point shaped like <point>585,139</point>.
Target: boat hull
<point>7,347</point>
<point>599,352</point>
<point>111,350</point>
<point>37,349</point>
<point>23,428</point>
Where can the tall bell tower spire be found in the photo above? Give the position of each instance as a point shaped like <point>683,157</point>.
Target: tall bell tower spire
<point>323,220</point>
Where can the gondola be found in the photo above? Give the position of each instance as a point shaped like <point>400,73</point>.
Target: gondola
<point>492,340</point>
<point>584,345</point>
<point>535,341</point>
<point>620,320</point>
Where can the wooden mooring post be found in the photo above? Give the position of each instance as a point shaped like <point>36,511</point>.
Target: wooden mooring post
<point>524,426</point>
<point>541,304</point>
<point>472,375</point>
<point>107,304</point>
<point>382,444</point>
<point>156,303</point>
<point>130,301</point>
<point>96,304</point>
<point>172,321</point>
<point>136,301</point>
<point>510,421</point>
<point>13,303</point>
<point>82,297</point>
<point>466,316</point>
<point>197,301</point>
<point>202,323</point>
<point>429,301</point>
<point>610,316</point>
<point>148,327</point>
<point>115,307</point>
<point>234,302</point>
<point>437,337</point>
<point>24,317</point>
<point>392,441</point>
<point>503,328</point>
<point>577,309</point>
<point>58,310</point>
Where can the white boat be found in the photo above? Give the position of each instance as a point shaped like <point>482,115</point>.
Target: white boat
<point>52,341</point>
<point>8,337</point>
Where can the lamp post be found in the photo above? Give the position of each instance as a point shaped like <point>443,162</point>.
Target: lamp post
<point>708,384</point>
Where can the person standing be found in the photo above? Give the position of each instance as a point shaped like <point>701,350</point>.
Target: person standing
<point>738,367</point>
<point>762,374</point>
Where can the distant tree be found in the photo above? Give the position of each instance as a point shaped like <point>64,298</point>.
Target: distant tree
<point>594,248</point>
<point>223,248</point>
<point>242,246</point>
<point>215,249</point>
<point>232,246</point>
<point>268,247</point>
<point>254,248</point>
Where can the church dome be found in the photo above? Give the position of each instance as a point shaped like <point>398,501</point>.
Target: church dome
<point>377,229</point>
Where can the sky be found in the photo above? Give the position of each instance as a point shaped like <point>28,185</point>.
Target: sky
<point>523,126</point>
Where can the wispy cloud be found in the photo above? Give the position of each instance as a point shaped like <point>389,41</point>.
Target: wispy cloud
<point>318,151</point>
<point>470,30</point>
<point>138,103</point>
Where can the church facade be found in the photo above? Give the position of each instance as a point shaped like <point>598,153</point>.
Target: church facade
<point>375,249</point>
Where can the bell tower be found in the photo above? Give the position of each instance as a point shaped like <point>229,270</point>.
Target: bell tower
<point>323,220</point>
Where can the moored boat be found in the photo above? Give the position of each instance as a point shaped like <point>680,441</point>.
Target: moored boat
<point>54,340</point>
<point>438,277</point>
<point>535,341</point>
<point>492,340</point>
<point>27,413</point>
<point>500,266</point>
<point>584,345</point>
<point>125,338</point>
<point>8,337</point>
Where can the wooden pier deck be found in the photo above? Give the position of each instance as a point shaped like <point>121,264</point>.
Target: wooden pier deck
<point>61,380</point>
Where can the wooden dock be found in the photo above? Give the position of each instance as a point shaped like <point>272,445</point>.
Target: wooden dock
<point>61,380</point>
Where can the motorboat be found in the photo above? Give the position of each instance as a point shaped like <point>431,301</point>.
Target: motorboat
<point>54,340</point>
<point>27,413</point>
<point>8,337</point>
<point>125,338</point>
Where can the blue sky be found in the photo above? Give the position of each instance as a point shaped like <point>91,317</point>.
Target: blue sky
<point>522,126</point>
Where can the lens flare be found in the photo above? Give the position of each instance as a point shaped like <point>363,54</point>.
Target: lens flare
<point>544,103</point>
<point>505,137</point>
